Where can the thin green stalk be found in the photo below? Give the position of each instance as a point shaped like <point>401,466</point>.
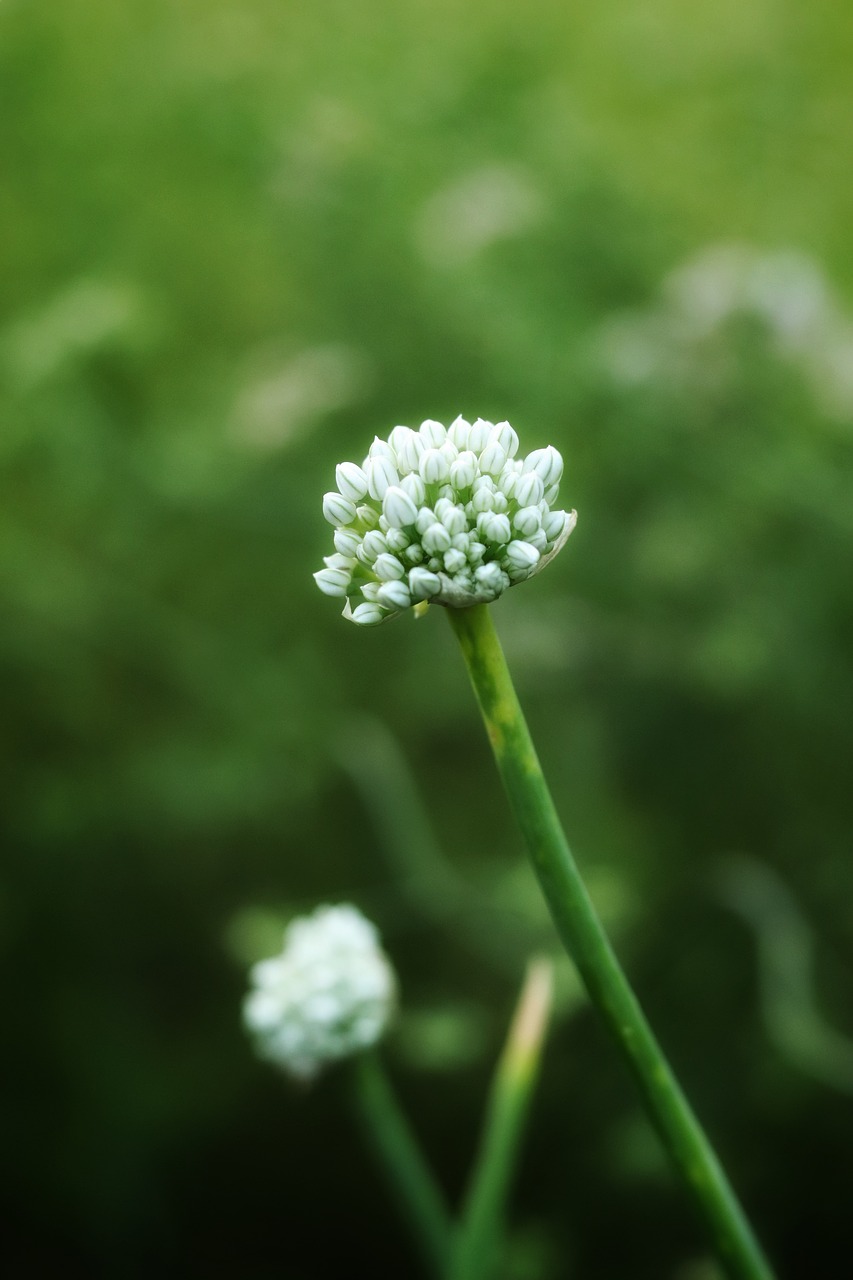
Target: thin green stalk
<point>480,1235</point>
<point>409,1177</point>
<point>586,942</point>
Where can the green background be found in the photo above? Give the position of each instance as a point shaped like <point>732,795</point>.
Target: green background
<point>237,241</point>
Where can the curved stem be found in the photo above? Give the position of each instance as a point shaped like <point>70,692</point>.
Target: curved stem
<point>410,1178</point>
<point>586,942</point>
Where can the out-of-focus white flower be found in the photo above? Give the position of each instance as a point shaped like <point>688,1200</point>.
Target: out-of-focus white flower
<point>282,396</point>
<point>446,515</point>
<point>785,290</point>
<point>329,994</point>
<point>481,208</point>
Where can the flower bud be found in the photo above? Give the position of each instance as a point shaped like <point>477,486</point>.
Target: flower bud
<point>463,471</point>
<point>396,437</point>
<point>397,540</point>
<point>351,481</point>
<point>547,464</point>
<point>521,555</point>
<point>423,584</point>
<point>426,518</point>
<point>368,516</point>
<point>527,520</point>
<point>346,541</point>
<point>454,520</point>
<point>459,431</point>
<point>394,595</point>
<point>490,577</point>
<point>337,561</point>
<point>493,527</point>
<point>432,433</point>
<point>528,489</point>
<point>381,449</point>
<point>506,481</point>
<point>414,487</point>
<point>398,508</point>
<point>436,540</point>
<point>482,500</point>
<point>408,447</point>
<point>434,467</point>
<point>479,435</point>
<point>492,459</point>
<point>506,438</point>
<point>368,614</point>
<point>381,475</point>
<point>333,582</point>
<point>554,524</point>
<point>337,509</point>
<point>454,560</point>
<point>373,544</point>
<point>387,567</point>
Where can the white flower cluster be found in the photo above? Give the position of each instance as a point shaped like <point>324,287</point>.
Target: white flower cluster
<point>329,994</point>
<point>447,515</point>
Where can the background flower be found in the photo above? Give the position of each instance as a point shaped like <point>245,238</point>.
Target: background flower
<point>328,995</point>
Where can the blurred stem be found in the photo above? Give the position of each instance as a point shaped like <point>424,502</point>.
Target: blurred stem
<point>410,1178</point>
<point>479,1237</point>
<point>586,942</point>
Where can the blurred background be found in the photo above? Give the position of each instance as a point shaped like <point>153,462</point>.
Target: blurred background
<point>238,240</point>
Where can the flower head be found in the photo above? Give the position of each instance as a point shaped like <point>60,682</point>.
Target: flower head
<point>447,515</point>
<point>329,994</point>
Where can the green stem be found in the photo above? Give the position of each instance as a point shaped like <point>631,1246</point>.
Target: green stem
<point>586,942</point>
<point>386,1128</point>
<point>481,1228</point>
